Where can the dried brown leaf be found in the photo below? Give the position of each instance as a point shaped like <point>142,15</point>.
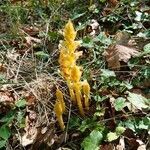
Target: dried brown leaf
<point>6,97</point>
<point>122,38</point>
<point>121,145</point>
<point>30,133</point>
<point>93,28</point>
<point>2,67</point>
<point>107,146</point>
<point>29,137</point>
<point>115,54</point>
<point>30,40</point>
<point>142,146</point>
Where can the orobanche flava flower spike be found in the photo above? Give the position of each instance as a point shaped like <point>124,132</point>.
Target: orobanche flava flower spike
<point>86,92</point>
<point>77,89</point>
<point>69,32</point>
<point>59,108</point>
<point>70,71</point>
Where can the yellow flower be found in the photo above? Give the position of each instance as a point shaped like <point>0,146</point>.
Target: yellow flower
<point>71,72</point>
<point>59,108</point>
<point>76,73</point>
<point>86,92</point>
<point>69,32</point>
<point>59,96</point>
<point>77,89</point>
<point>72,94</point>
<point>70,46</point>
<point>58,112</point>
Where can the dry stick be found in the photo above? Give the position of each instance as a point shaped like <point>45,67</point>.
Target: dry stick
<point>68,122</point>
<point>116,117</point>
<point>48,24</point>
<point>19,136</point>
<point>15,79</point>
<point>37,96</point>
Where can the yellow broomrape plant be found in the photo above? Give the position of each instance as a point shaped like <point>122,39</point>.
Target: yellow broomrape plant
<point>59,108</point>
<point>86,92</point>
<point>71,72</point>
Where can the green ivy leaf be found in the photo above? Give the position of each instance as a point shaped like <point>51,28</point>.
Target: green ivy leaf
<point>103,39</point>
<point>119,103</point>
<point>8,117</point>
<point>76,15</point>
<point>2,143</point>
<point>42,55</point>
<point>92,141</point>
<point>120,130</point>
<point>5,132</point>
<point>21,103</point>
<point>111,136</point>
<point>147,48</point>
<point>107,73</point>
<point>137,100</point>
<point>20,119</point>
<point>142,125</point>
<point>74,122</point>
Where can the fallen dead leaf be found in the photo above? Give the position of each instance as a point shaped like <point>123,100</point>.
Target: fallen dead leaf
<point>30,40</point>
<point>113,2</point>
<point>13,55</point>
<point>2,67</point>
<point>29,138</point>
<point>121,145</point>
<point>142,145</point>
<point>115,54</point>
<point>107,147</point>
<point>122,38</point>
<point>6,97</point>
<point>30,133</point>
<point>30,98</point>
<point>32,31</point>
<point>44,135</point>
<point>93,28</point>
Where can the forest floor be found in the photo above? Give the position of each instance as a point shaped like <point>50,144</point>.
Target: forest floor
<point>115,46</point>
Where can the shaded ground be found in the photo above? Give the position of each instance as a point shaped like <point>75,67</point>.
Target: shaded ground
<point>115,39</point>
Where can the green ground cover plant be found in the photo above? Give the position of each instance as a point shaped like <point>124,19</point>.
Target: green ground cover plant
<point>114,37</point>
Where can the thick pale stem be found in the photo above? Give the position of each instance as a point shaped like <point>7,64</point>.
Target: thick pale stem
<point>86,92</point>
<point>60,98</point>
<point>61,122</point>
<point>59,108</point>
<point>77,89</point>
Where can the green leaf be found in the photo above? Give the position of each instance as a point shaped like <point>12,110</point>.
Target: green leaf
<point>127,85</point>
<point>137,100</point>
<point>147,48</point>
<point>74,122</point>
<point>5,132</point>
<point>92,141</point>
<point>130,124</point>
<point>119,103</point>
<point>107,73</point>
<point>20,119</point>
<point>21,103</point>
<point>138,16</point>
<point>8,117</point>
<point>87,42</point>
<point>143,126</point>
<point>102,1</point>
<point>76,15</point>
<point>103,39</point>
<point>2,143</point>
<point>42,55</point>
<point>120,130</point>
<point>111,136</point>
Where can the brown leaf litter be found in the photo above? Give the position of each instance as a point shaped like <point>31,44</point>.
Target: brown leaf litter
<point>117,53</point>
<point>124,49</point>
